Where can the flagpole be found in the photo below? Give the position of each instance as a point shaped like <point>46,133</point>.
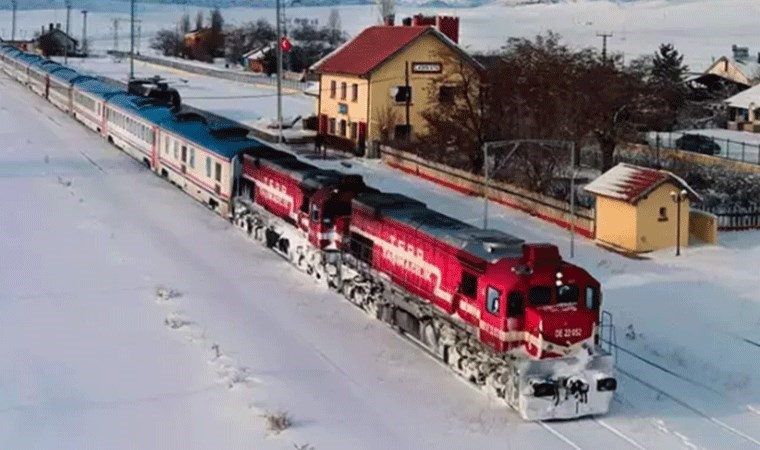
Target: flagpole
<point>279,76</point>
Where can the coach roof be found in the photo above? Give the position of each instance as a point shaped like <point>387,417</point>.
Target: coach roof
<point>95,87</point>
<point>200,134</point>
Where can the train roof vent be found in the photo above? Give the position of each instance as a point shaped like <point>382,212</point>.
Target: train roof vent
<point>382,201</point>
<point>541,254</point>
<point>191,117</point>
<point>227,131</point>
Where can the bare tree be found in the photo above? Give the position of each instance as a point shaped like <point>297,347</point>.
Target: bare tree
<point>334,27</point>
<point>184,24</point>
<point>199,20</point>
<point>167,42</point>
<point>386,120</point>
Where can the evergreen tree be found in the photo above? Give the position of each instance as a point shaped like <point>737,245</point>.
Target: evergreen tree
<point>668,66</point>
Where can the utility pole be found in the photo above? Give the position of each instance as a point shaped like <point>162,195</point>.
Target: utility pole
<point>408,100</point>
<point>604,37</point>
<point>13,20</point>
<point>139,35</point>
<point>115,34</point>
<point>66,41</point>
<point>84,32</point>
<point>132,41</point>
<point>279,76</point>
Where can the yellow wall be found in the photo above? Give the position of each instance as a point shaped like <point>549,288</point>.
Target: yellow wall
<point>616,223</point>
<point>357,110</point>
<point>426,49</point>
<point>703,226</point>
<point>655,234</point>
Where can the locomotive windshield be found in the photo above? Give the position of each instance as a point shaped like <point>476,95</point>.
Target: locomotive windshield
<point>542,295</point>
<point>567,293</point>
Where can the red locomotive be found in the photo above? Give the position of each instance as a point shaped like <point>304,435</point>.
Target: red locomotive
<point>511,317</point>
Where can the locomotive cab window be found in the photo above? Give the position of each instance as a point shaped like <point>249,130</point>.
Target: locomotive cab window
<point>567,293</point>
<point>540,295</point>
<point>515,304</point>
<point>469,285</point>
<point>314,212</point>
<point>592,298</point>
<point>493,300</point>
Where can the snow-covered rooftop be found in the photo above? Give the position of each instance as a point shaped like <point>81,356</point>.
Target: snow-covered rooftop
<point>745,98</point>
<point>631,183</point>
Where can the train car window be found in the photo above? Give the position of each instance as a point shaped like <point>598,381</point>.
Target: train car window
<point>592,298</point>
<point>515,304</point>
<point>468,286</point>
<point>184,153</point>
<point>540,295</point>
<point>176,150</point>
<point>218,174</point>
<point>568,293</point>
<point>192,157</point>
<point>493,300</point>
<point>208,166</point>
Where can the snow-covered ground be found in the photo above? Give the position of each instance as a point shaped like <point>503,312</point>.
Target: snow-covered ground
<point>701,29</point>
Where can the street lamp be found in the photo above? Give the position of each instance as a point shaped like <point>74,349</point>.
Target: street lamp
<point>84,33</point>
<point>66,41</point>
<point>132,41</point>
<point>14,4</point>
<point>678,198</point>
<point>572,203</point>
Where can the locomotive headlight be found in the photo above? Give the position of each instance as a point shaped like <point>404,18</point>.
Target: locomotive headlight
<point>559,275</point>
<point>558,283</point>
<point>606,384</point>
<point>542,388</point>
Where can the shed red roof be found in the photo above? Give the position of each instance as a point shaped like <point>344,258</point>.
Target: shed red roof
<point>632,183</point>
<point>369,49</point>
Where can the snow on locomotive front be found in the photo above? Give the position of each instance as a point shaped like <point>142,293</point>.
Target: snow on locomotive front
<point>512,317</point>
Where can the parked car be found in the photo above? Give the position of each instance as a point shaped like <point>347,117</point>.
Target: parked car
<point>698,144</point>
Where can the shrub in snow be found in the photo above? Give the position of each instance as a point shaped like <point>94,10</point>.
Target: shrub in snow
<point>303,447</point>
<point>175,321</point>
<point>723,190</point>
<point>278,422</point>
<point>164,294</point>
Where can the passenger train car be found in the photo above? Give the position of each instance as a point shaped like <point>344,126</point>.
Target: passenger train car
<point>512,317</point>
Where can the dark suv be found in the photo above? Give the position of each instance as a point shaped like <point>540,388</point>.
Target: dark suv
<point>698,144</point>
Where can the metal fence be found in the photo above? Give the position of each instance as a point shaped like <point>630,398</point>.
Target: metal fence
<point>747,151</point>
<point>231,75</point>
<point>730,219</point>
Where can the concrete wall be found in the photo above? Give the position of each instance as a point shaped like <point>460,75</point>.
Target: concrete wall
<point>696,158</point>
<point>655,232</point>
<point>703,226</point>
<point>617,224</point>
<point>227,74</point>
<point>540,206</point>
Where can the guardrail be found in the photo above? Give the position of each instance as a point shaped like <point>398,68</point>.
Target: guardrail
<point>240,77</point>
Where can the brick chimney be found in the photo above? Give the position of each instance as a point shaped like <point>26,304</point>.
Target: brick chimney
<point>448,25</point>
<point>58,26</point>
<point>389,20</point>
<point>51,27</point>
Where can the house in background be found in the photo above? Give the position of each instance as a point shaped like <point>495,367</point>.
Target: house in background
<point>364,93</point>
<point>744,110</point>
<point>55,42</point>
<point>741,68</point>
<point>254,60</point>
<point>23,45</point>
<point>635,211</point>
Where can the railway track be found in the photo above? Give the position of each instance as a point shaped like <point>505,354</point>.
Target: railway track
<point>668,393</point>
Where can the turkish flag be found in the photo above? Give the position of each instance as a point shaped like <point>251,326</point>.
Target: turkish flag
<point>285,44</point>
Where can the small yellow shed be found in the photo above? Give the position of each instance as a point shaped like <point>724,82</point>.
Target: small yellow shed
<point>639,209</point>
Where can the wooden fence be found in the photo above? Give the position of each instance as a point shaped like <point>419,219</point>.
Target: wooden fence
<point>541,206</point>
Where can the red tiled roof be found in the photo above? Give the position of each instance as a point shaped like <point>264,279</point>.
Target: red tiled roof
<point>369,49</point>
<point>631,183</point>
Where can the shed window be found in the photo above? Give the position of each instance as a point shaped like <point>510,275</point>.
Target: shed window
<point>493,299</point>
<point>469,285</point>
<point>663,215</point>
